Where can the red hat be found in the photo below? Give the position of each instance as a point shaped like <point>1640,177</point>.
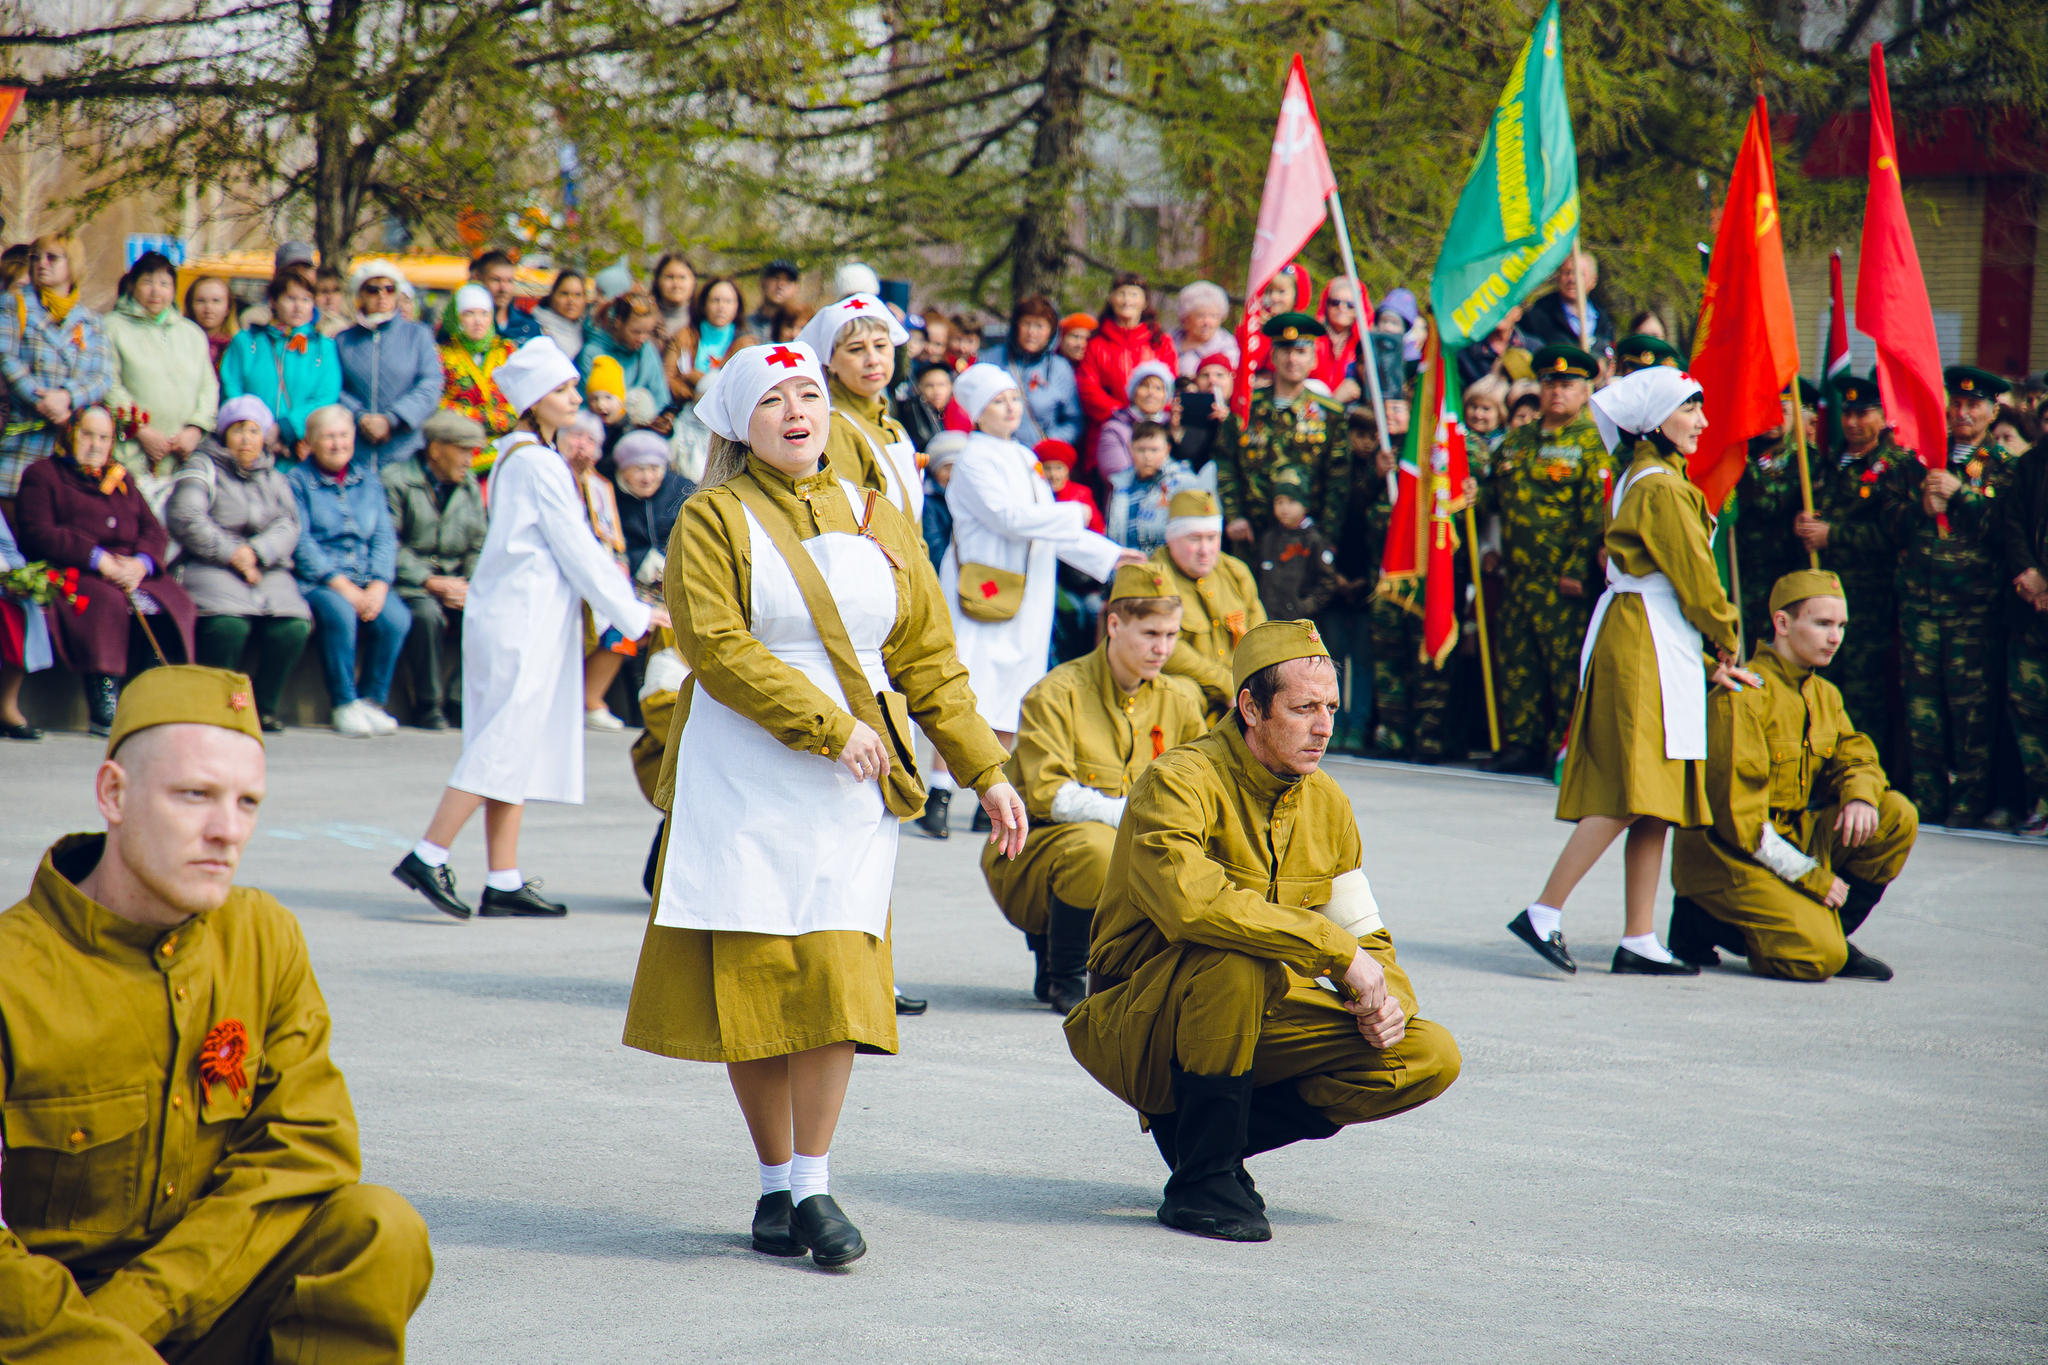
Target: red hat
<point>1079,322</point>
<point>1050,449</point>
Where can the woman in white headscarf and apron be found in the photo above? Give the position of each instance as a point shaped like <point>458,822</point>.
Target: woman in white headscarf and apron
<point>856,340</point>
<point>811,621</point>
<point>1636,761</point>
<point>1009,537</point>
<point>522,644</point>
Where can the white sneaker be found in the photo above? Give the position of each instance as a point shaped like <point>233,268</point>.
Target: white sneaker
<point>380,720</point>
<point>602,720</point>
<point>353,719</point>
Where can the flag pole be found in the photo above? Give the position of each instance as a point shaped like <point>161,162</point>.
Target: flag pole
<point>1479,617</point>
<point>1366,360</point>
<point>1585,304</point>
<point>1805,476</point>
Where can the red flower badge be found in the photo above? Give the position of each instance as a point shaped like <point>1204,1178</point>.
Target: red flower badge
<point>297,345</point>
<point>221,1057</point>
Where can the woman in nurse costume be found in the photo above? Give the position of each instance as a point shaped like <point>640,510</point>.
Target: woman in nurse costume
<point>1639,732</point>
<point>1005,517</point>
<point>768,949</point>
<point>856,339</point>
<point>522,645</point>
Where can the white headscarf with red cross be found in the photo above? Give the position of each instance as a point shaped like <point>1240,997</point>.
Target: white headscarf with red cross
<point>727,403</point>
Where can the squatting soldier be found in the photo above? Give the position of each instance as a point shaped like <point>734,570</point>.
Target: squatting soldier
<point>1767,499</point>
<point>1640,352</point>
<point>1220,598</point>
<point>1289,425</point>
<point>1549,486</point>
<point>1089,728</point>
<point>2023,537</point>
<point>1951,588</point>
<point>1848,532</point>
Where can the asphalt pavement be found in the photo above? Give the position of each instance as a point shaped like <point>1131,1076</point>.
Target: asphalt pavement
<point>1630,1169</point>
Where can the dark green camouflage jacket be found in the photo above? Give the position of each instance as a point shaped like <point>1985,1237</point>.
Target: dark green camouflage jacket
<point>1310,432</point>
<point>1550,491</point>
<point>1962,571</point>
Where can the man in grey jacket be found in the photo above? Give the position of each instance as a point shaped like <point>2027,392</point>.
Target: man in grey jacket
<point>390,370</point>
<point>438,511</point>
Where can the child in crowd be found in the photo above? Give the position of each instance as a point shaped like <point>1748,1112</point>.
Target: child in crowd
<point>606,392</point>
<point>1294,563</point>
<point>1525,403</point>
<point>1139,495</point>
<point>939,456</point>
<point>1056,460</point>
<point>932,408</point>
<point>938,339</point>
<point>963,343</point>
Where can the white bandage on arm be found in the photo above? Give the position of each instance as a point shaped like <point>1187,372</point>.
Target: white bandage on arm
<point>665,673</point>
<point>1352,907</point>
<point>1074,804</point>
<point>1782,857</point>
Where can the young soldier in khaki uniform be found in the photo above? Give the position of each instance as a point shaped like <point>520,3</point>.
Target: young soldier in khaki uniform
<point>1235,883</point>
<point>1549,487</point>
<point>1089,728</point>
<point>1806,835</point>
<point>181,1156</point>
<point>1219,597</point>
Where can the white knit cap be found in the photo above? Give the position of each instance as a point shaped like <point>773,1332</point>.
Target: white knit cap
<point>821,333</point>
<point>1639,403</point>
<point>727,405</point>
<point>474,296</point>
<point>979,383</point>
<point>856,278</point>
<point>366,271</point>
<point>1155,369</point>
<point>533,372</point>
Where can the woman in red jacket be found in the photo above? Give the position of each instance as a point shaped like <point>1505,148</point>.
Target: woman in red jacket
<point>1129,336</point>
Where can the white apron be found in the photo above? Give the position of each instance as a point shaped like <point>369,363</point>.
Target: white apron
<point>898,460</point>
<point>762,838</point>
<point>1681,680</point>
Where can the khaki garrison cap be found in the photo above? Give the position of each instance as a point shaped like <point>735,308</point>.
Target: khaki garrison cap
<point>1275,642</point>
<point>1140,580</point>
<point>185,694</point>
<point>1797,587</point>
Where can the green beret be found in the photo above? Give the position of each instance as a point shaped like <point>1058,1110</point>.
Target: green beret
<point>1853,393</point>
<point>1967,381</point>
<point>1805,583</point>
<point>1292,480</point>
<point>1275,642</point>
<point>185,694</point>
<point>1640,352</point>
<point>1562,362</point>
<point>1140,580</point>
<point>1287,329</point>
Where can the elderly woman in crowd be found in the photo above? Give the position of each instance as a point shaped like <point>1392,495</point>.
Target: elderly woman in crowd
<point>165,391</point>
<point>54,354</point>
<point>1052,396</point>
<point>24,644</point>
<point>80,510</point>
<point>561,310</point>
<point>286,362</point>
<point>347,560</point>
<point>650,496</point>
<point>1203,307</point>
<point>1129,336</point>
<point>234,516</point>
<point>211,304</point>
<point>470,356</point>
<point>390,375</point>
<point>437,513</point>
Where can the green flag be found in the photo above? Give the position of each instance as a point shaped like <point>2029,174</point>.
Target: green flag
<point>1519,215</point>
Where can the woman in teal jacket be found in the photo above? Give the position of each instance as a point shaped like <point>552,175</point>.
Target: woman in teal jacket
<point>289,364</point>
<point>624,330</point>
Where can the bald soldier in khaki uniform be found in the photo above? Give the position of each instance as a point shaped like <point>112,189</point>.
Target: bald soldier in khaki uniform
<point>1236,882</point>
<point>1806,833</point>
<point>1089,728</point>
<point>1219,597</point>
<point>181,1171</point>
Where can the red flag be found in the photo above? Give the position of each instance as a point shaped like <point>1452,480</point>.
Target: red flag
<point>1891,295</point>
<point>1298,182</point>
<point>1431,495</point>
<point>10,103</point>
<point>1839,357</point>
<point>1746,348</point>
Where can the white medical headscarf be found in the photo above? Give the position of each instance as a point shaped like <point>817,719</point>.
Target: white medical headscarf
<point>533,372</point>
<point>727,404</point>
<point>1637,404</point>
<point>821,333</point>
<point>979,383</point>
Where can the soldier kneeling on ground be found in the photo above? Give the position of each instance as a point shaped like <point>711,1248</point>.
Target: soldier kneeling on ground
<point>1806,832</point>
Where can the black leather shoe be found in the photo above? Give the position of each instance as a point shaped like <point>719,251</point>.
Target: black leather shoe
<point>774,1230</point>
<point>271,725</point>
<point>980,823</point>
<point>1861,966</point>
<point>831,1236</point>
<point>1041,984</point>
<point>437,884</point>
<point>525,901</point>
<point>906,1005</point>
<point>432,720</point>
<point>933,821</point>
<point>1627,963</point>
<point>1204,1195</point>
<point>9,730</point>
<point>1551,950</point>
<point>1244,1179</point>
<point>1692,934</point>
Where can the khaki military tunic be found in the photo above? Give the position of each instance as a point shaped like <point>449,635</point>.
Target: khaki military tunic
<point>855,422</point>
<point>1207,942</point>
<point>1079,726</point>
<point>148,1206</point>
<point>1216,611</point>
<point>1786,755</point>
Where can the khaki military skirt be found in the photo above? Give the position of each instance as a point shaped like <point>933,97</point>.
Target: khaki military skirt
<point>1615,766</point>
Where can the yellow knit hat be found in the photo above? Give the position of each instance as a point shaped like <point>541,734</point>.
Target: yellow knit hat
<point>606,376</point>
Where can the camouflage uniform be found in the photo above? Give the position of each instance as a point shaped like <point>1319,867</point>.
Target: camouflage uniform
<point>1550,491</point>
<point>1413,696</point>
<point>1766,500</point>
<point>1862,553</point>
<point>1308,431</point>
<point>1347,622</point>
<point>1949,599</point>
<point>2023,539</point>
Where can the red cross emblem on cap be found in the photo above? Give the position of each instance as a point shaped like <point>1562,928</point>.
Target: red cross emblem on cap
<point>854,305</point>
<point>785,357</point>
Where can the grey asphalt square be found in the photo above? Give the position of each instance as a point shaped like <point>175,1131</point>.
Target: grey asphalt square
<point>1630,1169</point>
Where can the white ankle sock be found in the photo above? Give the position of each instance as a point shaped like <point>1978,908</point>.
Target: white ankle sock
<point>809,1175</point>
<point>507,880</point>
<point>774,1178</point>
<point>1646,945</point>
<point>433,855</point>
<point>1544,920</point>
